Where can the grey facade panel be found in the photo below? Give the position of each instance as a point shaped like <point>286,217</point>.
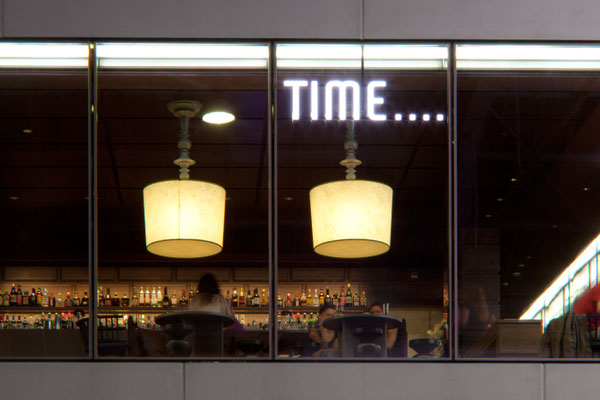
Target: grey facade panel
<point>307,19</point>
<point>357,381</point>
<point>91,380</point>
<point>482,20</point>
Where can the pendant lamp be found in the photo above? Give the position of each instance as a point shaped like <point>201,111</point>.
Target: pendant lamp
<point>184,218</point>
<point>351,218</point>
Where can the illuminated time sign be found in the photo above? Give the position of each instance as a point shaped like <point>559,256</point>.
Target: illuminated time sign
<point>345,89</point>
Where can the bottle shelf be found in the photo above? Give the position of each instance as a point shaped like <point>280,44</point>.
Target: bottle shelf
<point>162,310</point>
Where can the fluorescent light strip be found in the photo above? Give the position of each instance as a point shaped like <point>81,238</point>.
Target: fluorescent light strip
<point>180,63</point>
<point>545,299</point>
<point>43,63</point>
<point>318,64</point>
<point>406,64</point>
<point>181,51</point>
<point>524,57</point>
<point>318,52</point>
<point>181,55</point>
<point>405,52</point>
<point>46,55</point>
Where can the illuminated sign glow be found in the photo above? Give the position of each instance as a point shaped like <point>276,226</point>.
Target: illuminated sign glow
<point>348,96</point>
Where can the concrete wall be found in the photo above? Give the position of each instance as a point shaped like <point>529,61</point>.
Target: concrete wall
<point>306,19</point>
<point>293,19</point>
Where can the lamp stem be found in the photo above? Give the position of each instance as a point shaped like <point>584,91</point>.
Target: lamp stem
<point>350,145</point>
<point>184,110</point>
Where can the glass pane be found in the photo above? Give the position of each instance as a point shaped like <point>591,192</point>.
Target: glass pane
<point>175,251</point>
<point>44,196</point>
<point>380,238</point>
<point>527,212</point>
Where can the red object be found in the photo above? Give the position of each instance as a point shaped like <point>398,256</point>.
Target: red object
<point>586,304</point>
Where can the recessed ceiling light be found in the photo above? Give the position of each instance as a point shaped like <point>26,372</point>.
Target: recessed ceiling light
<point>288,198</point>
<point>218,117</point>
<point>439,117</point>
<point>513,179</point>
<point>218,111</point>
<point>412,117</point>
<point>26,130</point>
<point>516,274</point>
<point>14,197</point>
<point>426,117</point>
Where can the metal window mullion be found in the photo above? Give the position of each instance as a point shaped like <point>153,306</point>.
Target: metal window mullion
<point>452,202</point>
<point>92,200</point>
<point>272,190</point>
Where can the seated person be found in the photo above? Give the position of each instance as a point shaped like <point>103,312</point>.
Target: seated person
<point>209,298</point>
<point>324,337</point>
<point>392,334</point>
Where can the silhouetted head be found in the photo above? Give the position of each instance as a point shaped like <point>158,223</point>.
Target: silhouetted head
<point>208,285</point>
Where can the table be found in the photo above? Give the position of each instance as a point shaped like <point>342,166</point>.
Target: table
<point>370,328</point>
<point>206,327</point>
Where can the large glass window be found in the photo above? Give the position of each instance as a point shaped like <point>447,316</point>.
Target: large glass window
<point>43,199</point>
<point>527,195</point>
<point>168,242</point>
<point>369,237</point>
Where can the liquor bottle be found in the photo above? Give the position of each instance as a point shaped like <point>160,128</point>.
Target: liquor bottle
<point>255,298</point>
<point>107,298</point>
<point>26,298</point>
<point>311,321</point>
<point>174,301</point>
<point>321,298</point>
<point>335,302</point>
<point>19,297</point>
<point>159,297</point>
<point>153,298</point>
<point>288,301</point>
<point>363,299</point>
<point>296,300</point>
<point>45,299</point>
<point>235,301</point>
<point>13,296</point>
<point>327,298</point>
<point>342,299</point>
<point>242,298</point>
<point>85,301</point>
<point>76,299</point>
<point>32,298</point>
<point>135,302</point>
<point>315,299</point>
<point>356,300</point>
<point>166,300</point>
<point>100,297</point>
<point>303,299</point>
<point>348,297</point>
<point>264,299</point>
<point>183,302</point>
<point>192,293</point>
<point>68,302</point>
<point>115,301</point>
<point>249,299</point>
<point>51,300</point>
<point>279,300</point>
<point>38,297</point>
<point>309,299</point>
<point>147,297</point>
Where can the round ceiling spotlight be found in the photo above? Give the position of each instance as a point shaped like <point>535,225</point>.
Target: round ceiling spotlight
<point>218,112</point>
